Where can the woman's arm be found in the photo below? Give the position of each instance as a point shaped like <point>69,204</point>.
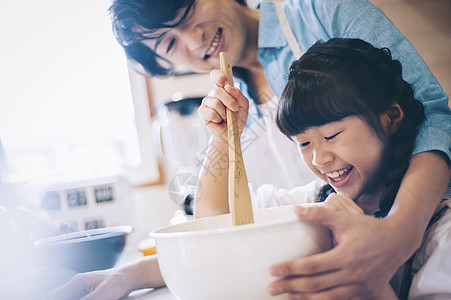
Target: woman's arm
<point>421,190</point>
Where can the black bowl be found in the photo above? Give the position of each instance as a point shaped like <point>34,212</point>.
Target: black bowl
<point>85,251</point>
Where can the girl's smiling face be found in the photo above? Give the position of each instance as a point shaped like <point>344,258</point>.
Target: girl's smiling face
<point>348,154</point>
<point>209,28</point>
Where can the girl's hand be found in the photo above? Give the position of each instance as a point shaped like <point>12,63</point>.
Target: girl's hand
<point>213,108</point>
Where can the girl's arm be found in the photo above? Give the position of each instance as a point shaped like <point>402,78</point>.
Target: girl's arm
<point>212,196</point>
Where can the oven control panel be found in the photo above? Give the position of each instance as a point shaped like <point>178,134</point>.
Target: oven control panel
<point>81,204</point>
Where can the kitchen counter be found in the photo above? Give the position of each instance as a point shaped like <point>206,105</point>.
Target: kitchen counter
<point>151,294</point>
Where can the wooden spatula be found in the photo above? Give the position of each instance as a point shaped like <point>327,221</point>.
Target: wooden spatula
<point>239,195</point>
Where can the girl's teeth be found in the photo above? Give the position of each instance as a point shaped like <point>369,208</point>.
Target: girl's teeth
<point>336,174</point>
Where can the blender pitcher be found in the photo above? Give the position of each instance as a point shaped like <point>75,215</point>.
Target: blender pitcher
<point>180,137</point>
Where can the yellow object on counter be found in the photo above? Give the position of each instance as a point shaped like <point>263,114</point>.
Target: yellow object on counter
<point>147,247</point>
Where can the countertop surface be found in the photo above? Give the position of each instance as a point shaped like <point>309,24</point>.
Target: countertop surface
<point>152,294</point>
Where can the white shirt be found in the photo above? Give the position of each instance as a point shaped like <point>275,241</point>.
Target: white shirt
<point>268,195</point>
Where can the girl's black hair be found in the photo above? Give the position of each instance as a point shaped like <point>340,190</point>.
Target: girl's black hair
<point>136,20</point>
<point>350,77</point>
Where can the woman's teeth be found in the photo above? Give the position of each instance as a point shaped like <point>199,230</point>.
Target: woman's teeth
<point>338,175</point>
<point>214,44</point>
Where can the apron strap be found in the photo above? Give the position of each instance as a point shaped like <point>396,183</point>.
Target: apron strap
<point>283,20</point>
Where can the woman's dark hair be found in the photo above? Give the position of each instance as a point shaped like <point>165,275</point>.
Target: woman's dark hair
<point>350,77</point>
<point>136,20</point>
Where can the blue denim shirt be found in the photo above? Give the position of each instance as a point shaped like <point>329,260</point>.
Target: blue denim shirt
<point>313,20</point>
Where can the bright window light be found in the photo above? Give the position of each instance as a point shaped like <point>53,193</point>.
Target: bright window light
<point>65,103</point>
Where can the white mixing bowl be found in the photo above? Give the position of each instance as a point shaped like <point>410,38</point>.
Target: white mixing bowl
<point>209,259</point>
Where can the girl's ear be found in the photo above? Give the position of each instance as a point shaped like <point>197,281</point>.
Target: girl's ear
<point>392,118</point>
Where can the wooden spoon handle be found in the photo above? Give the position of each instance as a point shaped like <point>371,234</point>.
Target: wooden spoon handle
<point>239,195</point>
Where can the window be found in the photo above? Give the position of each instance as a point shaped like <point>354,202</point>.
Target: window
<point>66,104</point>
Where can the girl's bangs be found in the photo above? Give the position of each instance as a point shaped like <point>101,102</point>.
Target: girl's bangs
<point>316,100</point>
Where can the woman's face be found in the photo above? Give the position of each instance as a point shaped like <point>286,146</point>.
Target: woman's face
<point>348,154</point>
<point>210,28</point>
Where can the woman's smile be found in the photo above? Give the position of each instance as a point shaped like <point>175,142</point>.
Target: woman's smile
<point>216,45</point>
<point>210,27</point>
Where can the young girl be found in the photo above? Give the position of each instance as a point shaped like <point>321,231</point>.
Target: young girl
<point>355,121</point>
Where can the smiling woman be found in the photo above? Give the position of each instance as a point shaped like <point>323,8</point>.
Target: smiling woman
<point>66,103</point>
